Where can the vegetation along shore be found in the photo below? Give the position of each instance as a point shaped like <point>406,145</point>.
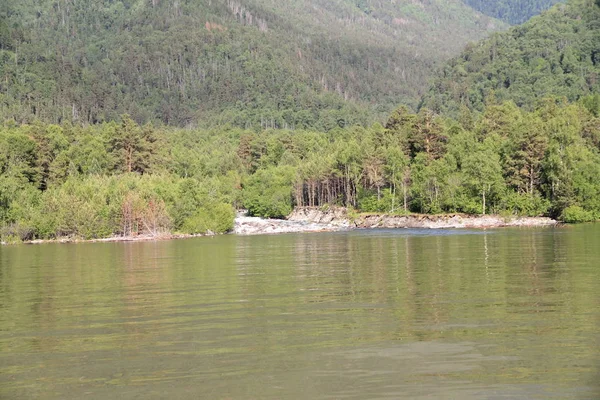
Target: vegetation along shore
<point>509,127</point>
<point>123,179</point>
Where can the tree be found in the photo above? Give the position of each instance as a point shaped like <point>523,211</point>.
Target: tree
<point>428,179</point>
<point>524,156</point>
<point>397,170</point>
<point>132,146</point>
<point>484,173</point>
<point>268,193</point>
<point>427,135</point>
<point>349,159</point>
<point>373,167</point>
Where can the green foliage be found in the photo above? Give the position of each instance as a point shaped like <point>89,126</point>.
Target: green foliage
<point>484,175</point>
<point>131,146</point>
<point>251,64</point>
<point>215,218</point>
<point>592,104</point>
<point>556,54</point>
<point>268,193</point>
<point>525,204</point>
<point>370,202</point>
<point>576,214</point>
<point>512,11</point>
<point>74,181</point>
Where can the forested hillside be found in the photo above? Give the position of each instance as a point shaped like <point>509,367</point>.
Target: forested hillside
<point>248,63</point>
<point>512,11</point>
<point>555,54</point>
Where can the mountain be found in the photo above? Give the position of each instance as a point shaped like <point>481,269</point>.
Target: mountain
<point>248,63</point>
<point>513,12</point>
<point>555,54</point>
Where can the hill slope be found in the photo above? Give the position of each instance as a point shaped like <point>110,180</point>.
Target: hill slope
<point>512,11</point>
<point>555,54</point>
<point>250,63</point>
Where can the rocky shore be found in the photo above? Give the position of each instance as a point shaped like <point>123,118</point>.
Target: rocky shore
<point>316,219</point>
<point>339,216</point>
<point>245,225</point>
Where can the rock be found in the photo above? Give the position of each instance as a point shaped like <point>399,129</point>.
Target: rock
<point>335,216</point>
<point>338,216</point>
<point>245,225</point>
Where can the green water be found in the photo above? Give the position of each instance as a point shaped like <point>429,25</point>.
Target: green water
<point>497,314</point>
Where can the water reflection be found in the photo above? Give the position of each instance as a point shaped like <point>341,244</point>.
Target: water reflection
<point>364,314</point>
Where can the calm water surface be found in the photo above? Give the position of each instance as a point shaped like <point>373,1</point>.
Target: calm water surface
<point>382,314</point>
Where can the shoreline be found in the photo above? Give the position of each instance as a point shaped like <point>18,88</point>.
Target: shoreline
<point>113,239</point>
<point>332,219</point>
<point>340,217</point>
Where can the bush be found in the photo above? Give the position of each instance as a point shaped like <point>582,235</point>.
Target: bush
<point>523,204</point>
<point>15,233</point>
<point>576,214</point>
<point>268,193</point>
<point>368,202</point>
<point>218,218</point>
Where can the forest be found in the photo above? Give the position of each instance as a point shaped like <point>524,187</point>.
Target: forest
<point>120,178</point>
<point>104,133</point>
<point>512,11</point>
<point>555,54</point>
<point>253,64</point>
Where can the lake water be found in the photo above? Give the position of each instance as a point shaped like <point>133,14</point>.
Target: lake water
<point>380,314</point>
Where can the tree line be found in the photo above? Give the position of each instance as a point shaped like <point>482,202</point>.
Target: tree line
<point>122,178</point>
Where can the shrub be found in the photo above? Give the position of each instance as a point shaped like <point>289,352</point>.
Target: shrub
<point>15,233</point>
<point>268,193</point>
<point>523,204</point>
<point>218,218</point>
<point>576,214</point>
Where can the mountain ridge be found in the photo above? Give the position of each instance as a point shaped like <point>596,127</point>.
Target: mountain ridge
<point>251,63</point>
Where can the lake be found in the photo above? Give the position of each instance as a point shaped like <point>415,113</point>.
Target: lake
<point>371,314</point>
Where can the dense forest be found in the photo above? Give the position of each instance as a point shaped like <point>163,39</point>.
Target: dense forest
<point>246,63</point>
<point>555,54</point>
<point>512,11</point>
<point>126,179</point>
<point>115,128</point>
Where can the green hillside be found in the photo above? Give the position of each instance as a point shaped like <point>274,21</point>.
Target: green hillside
<point>512,11</point>
<point>249,63</point>
<point>555,54</point>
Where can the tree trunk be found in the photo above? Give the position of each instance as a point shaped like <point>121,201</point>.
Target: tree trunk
<point>393,196</point>
<point>483,199</point>
<point>531,180</point>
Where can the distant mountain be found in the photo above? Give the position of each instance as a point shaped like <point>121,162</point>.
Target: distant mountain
<point>248,63</point>
<point>513,12</point>
<point>555,54</point>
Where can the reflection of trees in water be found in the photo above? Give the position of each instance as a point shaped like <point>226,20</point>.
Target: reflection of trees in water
<point>534,272</point>
<point>145,281</point>
<point>449,279</point>
<point>324,270</point>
